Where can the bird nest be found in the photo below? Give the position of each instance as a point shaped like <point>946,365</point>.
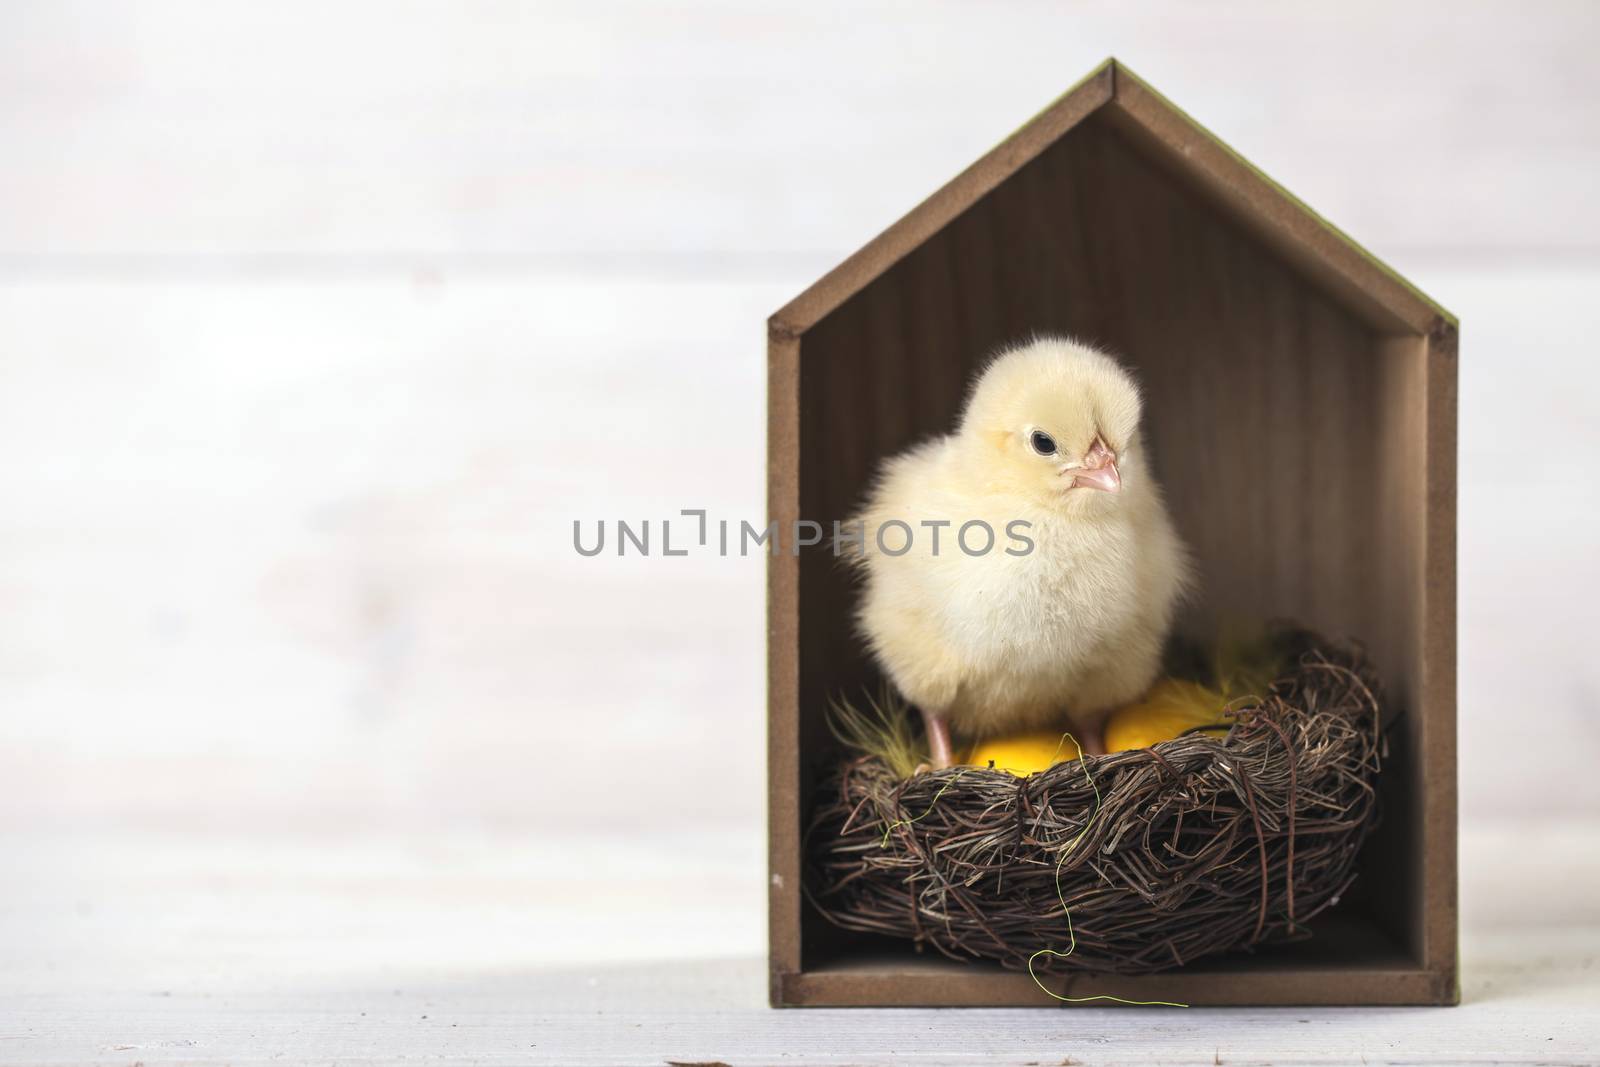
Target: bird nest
<point>1126,863</point>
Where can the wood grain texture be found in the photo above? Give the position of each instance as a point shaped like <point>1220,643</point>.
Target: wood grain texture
<point>1253,201</point>
<point>784,796</point>
<point>207,620</point>
<point>1295,453</point>
<point>1437,705</point>
<point>204,949</point>
<point>317,325</point>
<point>198,135</point>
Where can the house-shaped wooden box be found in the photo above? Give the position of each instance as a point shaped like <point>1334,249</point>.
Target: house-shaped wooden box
<point>1301,410</point>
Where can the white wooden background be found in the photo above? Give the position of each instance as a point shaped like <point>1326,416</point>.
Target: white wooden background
<point>321,322</point>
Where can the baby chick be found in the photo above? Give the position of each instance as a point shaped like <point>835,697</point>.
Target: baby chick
<point>1060,620</point>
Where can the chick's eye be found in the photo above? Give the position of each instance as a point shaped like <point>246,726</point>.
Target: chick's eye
<point>1042,443</point>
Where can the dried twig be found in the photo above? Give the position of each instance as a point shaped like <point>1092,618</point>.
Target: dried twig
<point>1199,845</point>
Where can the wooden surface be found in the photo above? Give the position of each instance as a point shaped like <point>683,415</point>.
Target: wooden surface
<point>1300,409</point>
<point>318,322</point>
<point>208,949</point>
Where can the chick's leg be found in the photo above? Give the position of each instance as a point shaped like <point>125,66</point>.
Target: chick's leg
<point>938,733</point>
<point>925,671</point>
<point>1092,736</point>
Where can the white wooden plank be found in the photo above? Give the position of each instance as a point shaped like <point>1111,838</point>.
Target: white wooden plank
<point>293,551</point>
<point>170,135</point>
<point>214,948</point>
<point>710,1013</point>
<point>302,550</point>
<point>1529,579</point>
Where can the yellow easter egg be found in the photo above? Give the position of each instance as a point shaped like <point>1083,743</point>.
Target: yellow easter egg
<point>1023,754</point>
<point>1172,708</point>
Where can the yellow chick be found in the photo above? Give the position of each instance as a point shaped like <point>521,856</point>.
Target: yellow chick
<point>1063,614</point>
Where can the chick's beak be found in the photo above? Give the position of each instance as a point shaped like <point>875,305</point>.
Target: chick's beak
<point>1099,470</point>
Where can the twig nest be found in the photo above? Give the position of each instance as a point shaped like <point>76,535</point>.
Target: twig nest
<point>1127,863</point>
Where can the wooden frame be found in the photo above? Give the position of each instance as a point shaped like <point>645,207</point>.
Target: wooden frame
<point>1301,405</point>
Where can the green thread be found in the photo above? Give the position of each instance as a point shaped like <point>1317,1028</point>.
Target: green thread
<point>1061,859</point>
<point>892,827</point>
<point>1072,935</point>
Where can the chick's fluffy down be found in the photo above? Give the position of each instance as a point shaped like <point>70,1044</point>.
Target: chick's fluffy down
<point>1050,637</point>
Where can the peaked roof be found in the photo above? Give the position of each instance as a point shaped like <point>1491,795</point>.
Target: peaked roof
<point>1249,197</point>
